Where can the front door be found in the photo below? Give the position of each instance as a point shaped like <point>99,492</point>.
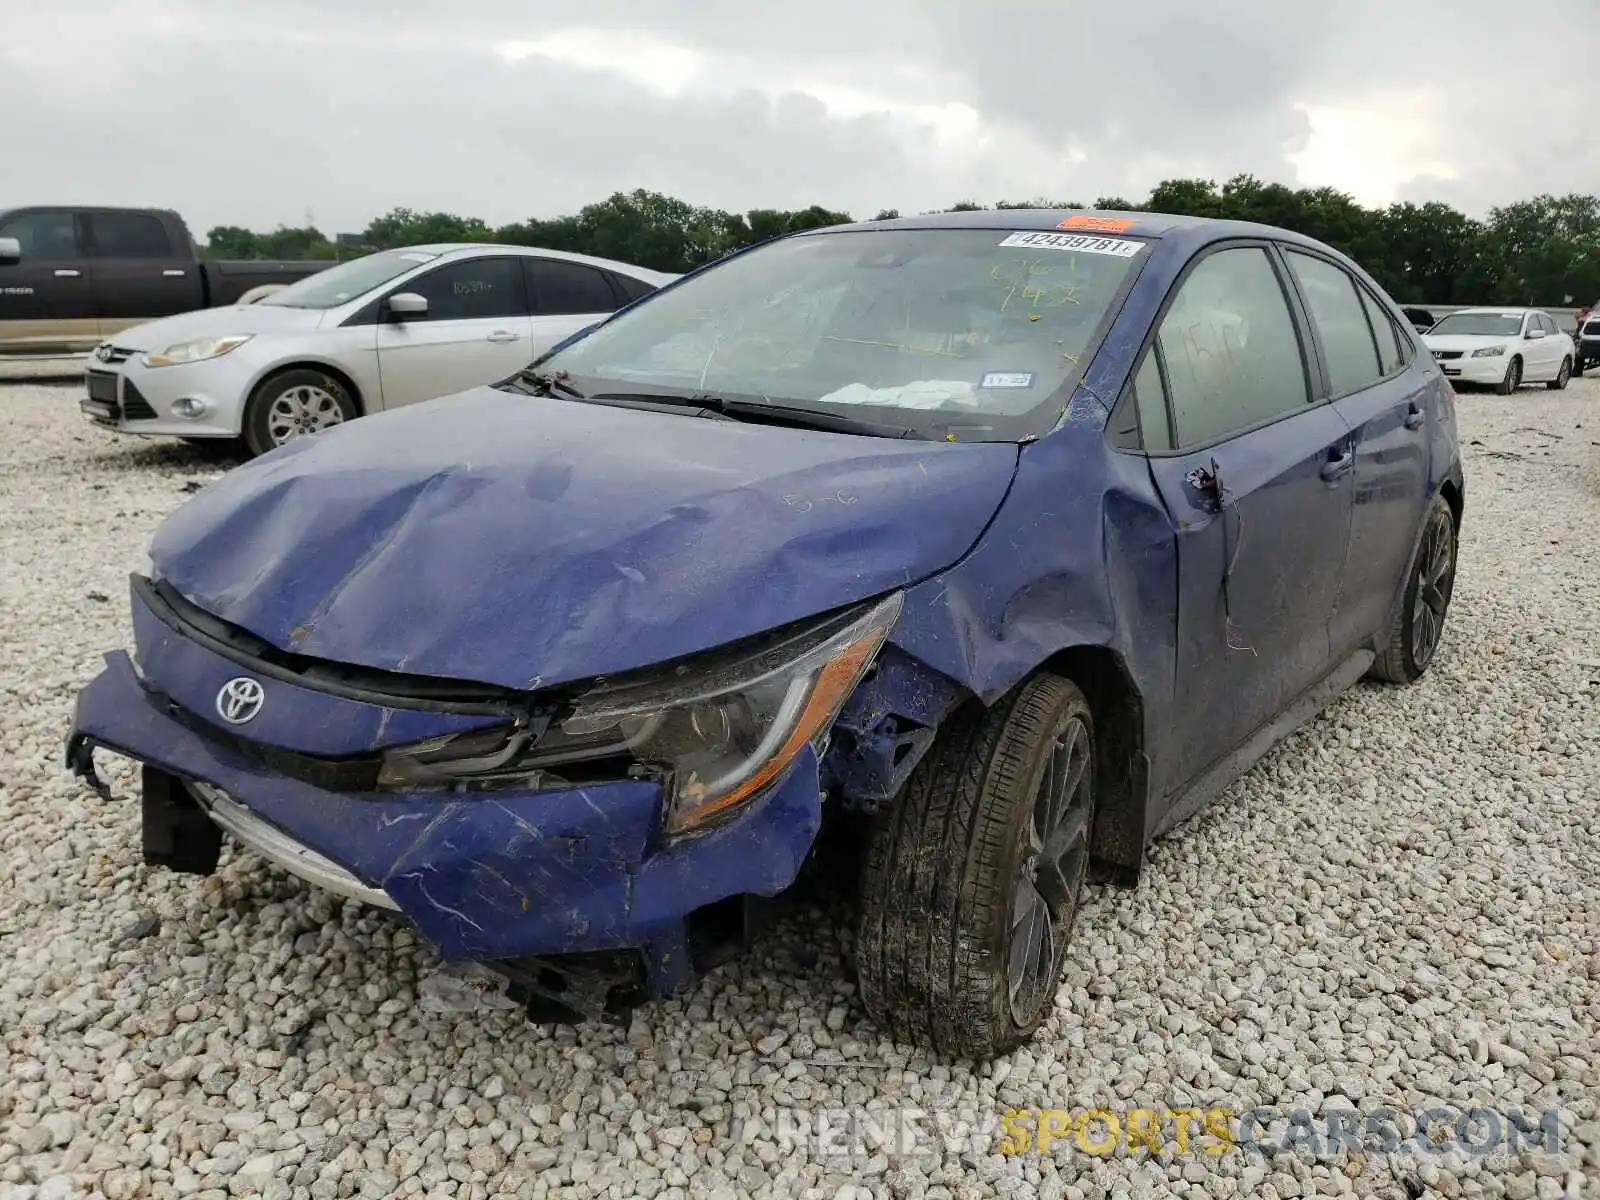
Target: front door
<point>476,331</point>
<point>1257,481</point>
<point>46,302</point>
<point>139,275</point>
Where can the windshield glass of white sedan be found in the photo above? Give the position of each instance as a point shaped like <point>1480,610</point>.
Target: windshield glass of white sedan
<point>1479,324</point>
<point>341,284</point>
<point>978,327</point>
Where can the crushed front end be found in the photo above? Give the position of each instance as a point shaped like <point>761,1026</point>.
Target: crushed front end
<point>589,840</point>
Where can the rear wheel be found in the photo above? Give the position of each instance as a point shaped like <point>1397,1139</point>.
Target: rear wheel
<point>1578,366</point>
<point>974,875</point>
<point>295,404</point>
<point>1560,381</point>
<point>1419,625</point>
<point>1513,378</point>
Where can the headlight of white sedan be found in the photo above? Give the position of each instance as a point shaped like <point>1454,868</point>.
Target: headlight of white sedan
<point>717,732</point>
<point>196,351</point>
<point>1488,352</point>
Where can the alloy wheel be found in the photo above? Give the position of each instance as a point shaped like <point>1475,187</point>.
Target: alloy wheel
<point>298,411</point>
<point>1436,567</point>
<point>1051,874</point>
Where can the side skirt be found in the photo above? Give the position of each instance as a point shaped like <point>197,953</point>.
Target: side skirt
<point>1214,780</point>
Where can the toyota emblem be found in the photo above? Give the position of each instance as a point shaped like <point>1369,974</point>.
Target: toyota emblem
<point>240,700</point>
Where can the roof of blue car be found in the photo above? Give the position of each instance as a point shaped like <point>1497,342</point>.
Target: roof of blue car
<point>1141,224</point>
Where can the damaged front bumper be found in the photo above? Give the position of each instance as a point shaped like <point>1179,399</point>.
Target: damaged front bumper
<point>503,876</point>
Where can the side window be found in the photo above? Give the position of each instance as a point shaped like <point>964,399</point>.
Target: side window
<point>560,288</point>
<point>1230,348</point>
<point>628,288</point>
<point>45,236</point>
<point>1546,324</point>
<point>1390,354</point>
<point>1155,430</point>
<point>128,235</point>
<point>1336,310</point>
<point>472,289</point>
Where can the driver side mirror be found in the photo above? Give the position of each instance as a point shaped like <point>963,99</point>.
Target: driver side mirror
<point>408,304</point>
<point>10,251</point>
<point>1534,334</point>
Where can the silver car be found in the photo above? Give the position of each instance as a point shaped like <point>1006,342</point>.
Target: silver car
<point>374,333</point>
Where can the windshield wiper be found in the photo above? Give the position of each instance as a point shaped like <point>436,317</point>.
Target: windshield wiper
<point>548,383</point>
<point>759,412</point>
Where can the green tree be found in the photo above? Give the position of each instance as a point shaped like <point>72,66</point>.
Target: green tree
<point>405,227</point>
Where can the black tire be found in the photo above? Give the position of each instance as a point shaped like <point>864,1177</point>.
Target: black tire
<point>1559,383</point>
<point>1412,642</point>
<point>1578,366</point>
<point>1513,379</point>
<point>265,424</point>
<point>944,872</point>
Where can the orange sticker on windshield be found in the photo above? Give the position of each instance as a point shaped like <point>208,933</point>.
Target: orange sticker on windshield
<point>1099,224</point>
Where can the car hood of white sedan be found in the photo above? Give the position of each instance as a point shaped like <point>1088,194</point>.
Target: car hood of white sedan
<point>218,322</point>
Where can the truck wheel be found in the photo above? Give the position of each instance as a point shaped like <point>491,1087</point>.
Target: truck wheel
<point>1578,366</point>
<point>293,404</point>
<point>1560,381</point>
<point>260,293</point>
<point>974,874</point>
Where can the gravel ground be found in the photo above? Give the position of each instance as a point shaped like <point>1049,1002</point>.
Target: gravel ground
<point>1399,906</point>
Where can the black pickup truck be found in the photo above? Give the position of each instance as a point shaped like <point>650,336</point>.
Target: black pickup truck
<point>70,276</point>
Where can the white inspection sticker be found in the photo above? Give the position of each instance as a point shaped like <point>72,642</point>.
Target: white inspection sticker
<point>1041,239</point>
<point>1007,379</point>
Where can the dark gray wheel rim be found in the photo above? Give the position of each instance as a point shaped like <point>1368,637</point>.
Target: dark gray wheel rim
<point>1051,874</point>
<point>1436,568</point>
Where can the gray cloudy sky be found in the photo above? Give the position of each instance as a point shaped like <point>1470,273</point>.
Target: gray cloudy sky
<point>254,111</point>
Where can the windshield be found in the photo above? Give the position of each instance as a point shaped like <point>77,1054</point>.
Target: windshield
<point>341,284</point>
<point>1479,324</point>
<point>964,333</point>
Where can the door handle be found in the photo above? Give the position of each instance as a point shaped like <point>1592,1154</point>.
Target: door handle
<point>504,335</point>
<point>1414,417</point>
<point>173,274</point>
<point>1339,463</point>
<point>64,273</point>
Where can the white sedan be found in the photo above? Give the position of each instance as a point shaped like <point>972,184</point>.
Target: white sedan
<point>1502,347</point>
<point>374,333</point>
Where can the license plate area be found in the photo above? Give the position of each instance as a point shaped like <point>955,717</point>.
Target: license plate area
<point>102,387</point>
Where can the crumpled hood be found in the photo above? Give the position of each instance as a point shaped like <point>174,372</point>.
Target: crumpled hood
<point>527,542</point>
<point>218,322</point>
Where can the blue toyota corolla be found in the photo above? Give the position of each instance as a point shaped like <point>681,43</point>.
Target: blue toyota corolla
<point>1022,533</point>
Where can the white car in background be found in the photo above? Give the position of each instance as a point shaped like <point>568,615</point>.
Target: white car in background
<point>378,332</point>
<point>1501,347</point>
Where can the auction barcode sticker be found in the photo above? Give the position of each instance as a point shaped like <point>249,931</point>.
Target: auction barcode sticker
<point>1078,242</point>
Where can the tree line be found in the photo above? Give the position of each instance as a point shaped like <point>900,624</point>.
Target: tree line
<point>1540,251</point>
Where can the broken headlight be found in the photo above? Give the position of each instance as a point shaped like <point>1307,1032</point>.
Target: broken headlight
<point>717,730</point>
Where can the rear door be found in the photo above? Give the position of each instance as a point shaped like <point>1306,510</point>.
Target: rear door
<point>140,273</point>
<point>476,330</point>
<point>566,296</point>
<point>46,299</point>
<point>1365,369</point>
<point>1553,346</point>
<point>1256,477</point>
